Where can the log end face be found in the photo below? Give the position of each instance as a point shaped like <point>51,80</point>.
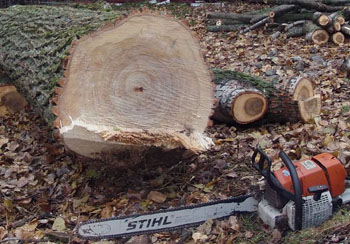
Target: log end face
<point>320,37</point>
<point>304,88</point>
<point>249,107</point>
<point>310,108</point>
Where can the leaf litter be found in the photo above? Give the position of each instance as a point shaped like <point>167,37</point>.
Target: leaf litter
<point>45,191</point>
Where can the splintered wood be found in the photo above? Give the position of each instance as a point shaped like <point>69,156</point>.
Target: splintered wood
<point>139,83</point>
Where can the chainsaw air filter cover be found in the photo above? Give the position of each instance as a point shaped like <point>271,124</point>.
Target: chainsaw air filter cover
<point>314,212</point>
<point>322,170</point>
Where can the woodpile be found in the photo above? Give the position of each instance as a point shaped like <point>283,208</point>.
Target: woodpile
<point>319,21</point>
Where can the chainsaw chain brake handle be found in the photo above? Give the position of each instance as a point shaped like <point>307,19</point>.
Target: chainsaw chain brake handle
<point>262,163</point>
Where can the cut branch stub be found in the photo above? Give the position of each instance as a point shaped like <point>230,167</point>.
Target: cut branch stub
<point>140,83</point>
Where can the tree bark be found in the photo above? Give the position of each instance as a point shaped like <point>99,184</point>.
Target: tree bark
<point>137,83</point>
<point>290,17</point>
<point>295,31</point>
<point>346,29</point>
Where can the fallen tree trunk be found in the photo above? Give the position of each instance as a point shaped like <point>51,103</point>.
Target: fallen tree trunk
<point>137,83</point>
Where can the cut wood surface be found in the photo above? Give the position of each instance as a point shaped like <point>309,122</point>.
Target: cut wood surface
<point>138,83</point>
<point>321,19</point>
<point>338,38</point>
<point>239,102</point>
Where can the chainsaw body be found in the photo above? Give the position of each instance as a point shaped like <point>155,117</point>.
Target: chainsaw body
<point>301,194</point>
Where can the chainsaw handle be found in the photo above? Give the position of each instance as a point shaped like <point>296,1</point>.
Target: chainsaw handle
<point>298,200</point>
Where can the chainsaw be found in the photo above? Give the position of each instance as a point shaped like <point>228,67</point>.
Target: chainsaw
<point>298,195</point>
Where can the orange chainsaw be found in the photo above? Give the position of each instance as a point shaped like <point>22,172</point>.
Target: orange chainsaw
<point>299,195</point>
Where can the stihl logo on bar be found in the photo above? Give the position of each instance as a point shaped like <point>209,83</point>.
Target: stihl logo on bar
<point>147,223</point>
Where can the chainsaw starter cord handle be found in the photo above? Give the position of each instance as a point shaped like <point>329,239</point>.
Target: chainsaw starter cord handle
<point>298,200</point>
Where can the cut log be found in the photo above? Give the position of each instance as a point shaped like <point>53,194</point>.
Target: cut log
<point>315,33</point>
<point>289,101</point>
<point>275,12</point>
<point>346,29</point>
<point>257,25</point>
<point>334,27</point>
<point>135,84</point>
<point>244,18</point>
<point>239,102</point>
<point>227,28</point>
<point>291,17</point>
<point>321,19</point>
<point>304,104</point>
<point>338,38</point>
<point>337,17</point>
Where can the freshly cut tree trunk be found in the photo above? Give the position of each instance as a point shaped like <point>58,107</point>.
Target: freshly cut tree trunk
<point>315,33</point>
<point>239,102</point>
<point>135,84</point>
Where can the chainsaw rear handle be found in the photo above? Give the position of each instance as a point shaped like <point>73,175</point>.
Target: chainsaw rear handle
<point>298,199</point>
<point>263,165</point>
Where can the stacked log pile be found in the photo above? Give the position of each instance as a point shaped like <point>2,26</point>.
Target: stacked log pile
<point>319,21</point>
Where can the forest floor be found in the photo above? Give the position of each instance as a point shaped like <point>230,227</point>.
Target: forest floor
<point>45,191</point>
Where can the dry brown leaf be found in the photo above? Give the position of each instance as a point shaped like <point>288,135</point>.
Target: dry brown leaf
<point>156,196</point>
<point>233,221</point>
<point>276,236</point>
<point>3,232</point>
<point>59,224</point>
<point>107,212</point>
<point>197,236</point>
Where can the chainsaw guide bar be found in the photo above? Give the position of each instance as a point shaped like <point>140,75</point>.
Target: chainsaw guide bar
<point>165,220</point>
